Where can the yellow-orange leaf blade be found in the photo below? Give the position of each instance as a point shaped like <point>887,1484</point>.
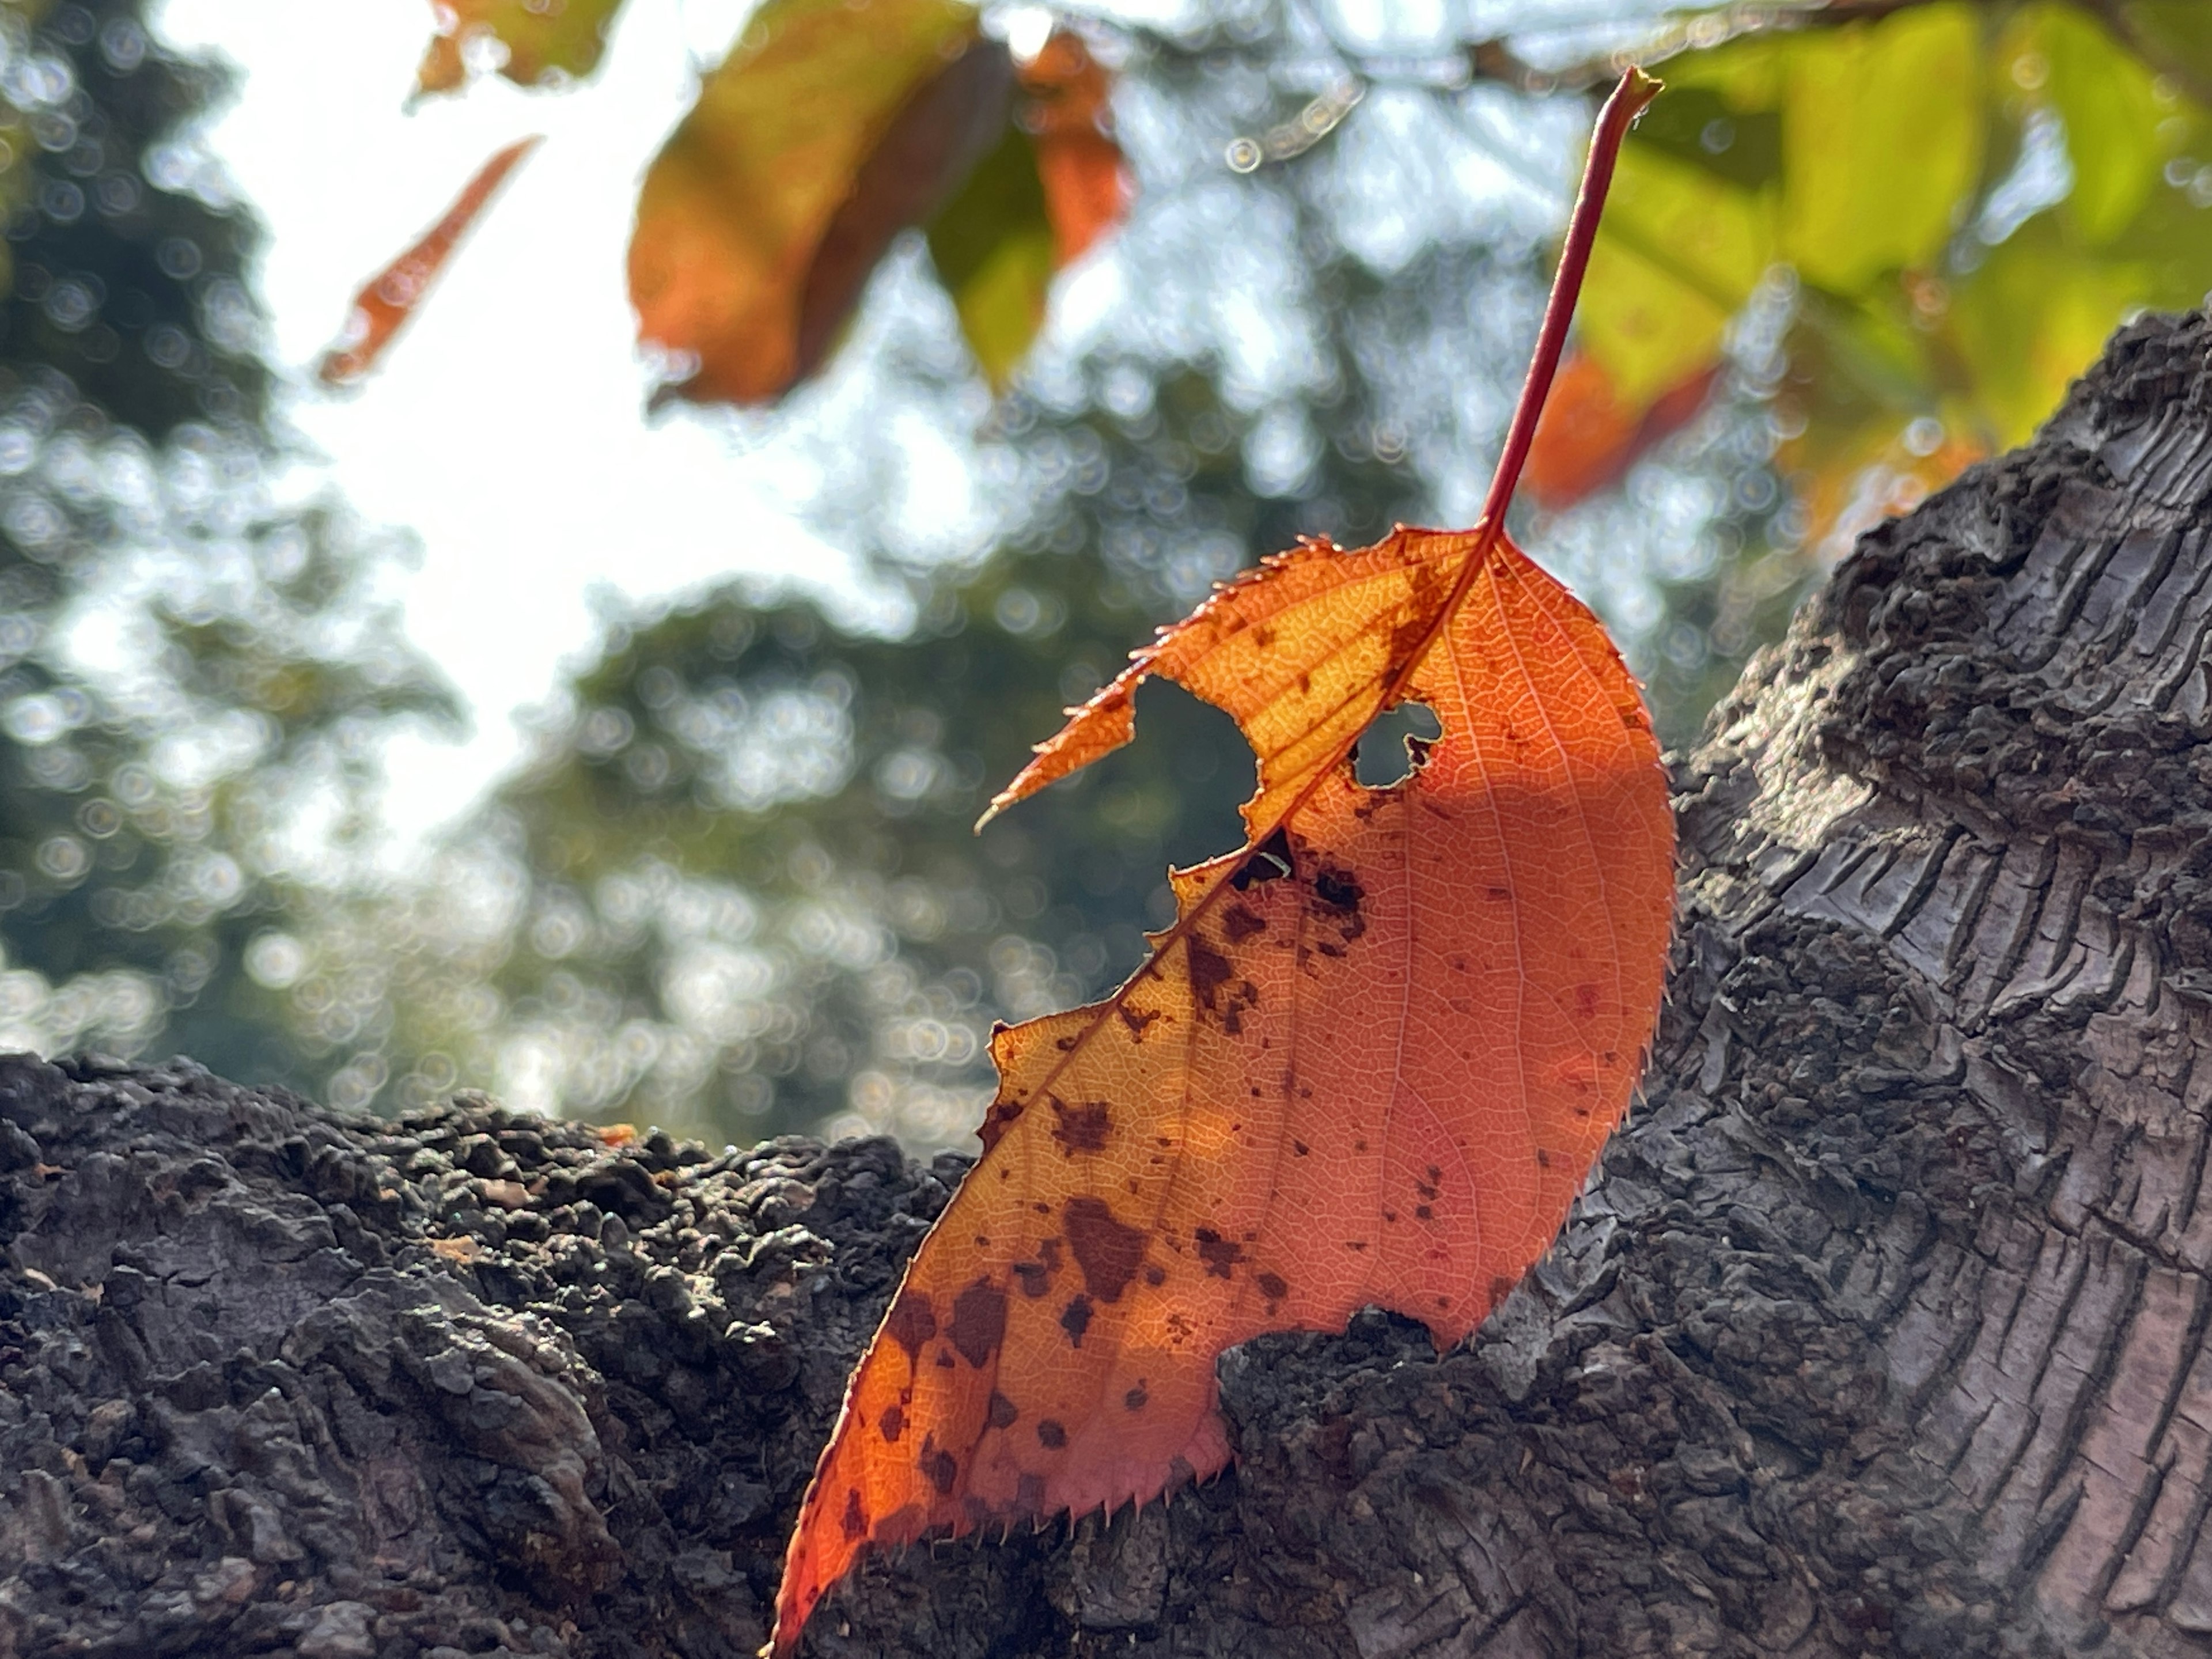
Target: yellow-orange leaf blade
<point>534,42</point>
<point>383,305</point>
<point>1370,1061</point>
<point>1303,650</point>
<point>738,209</point>
<point>1376,1077</point>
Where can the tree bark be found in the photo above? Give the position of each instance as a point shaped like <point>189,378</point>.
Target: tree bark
<point>1880,1329</point>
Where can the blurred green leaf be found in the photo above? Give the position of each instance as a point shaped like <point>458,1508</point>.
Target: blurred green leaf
<point>1971,196</point>
<point>2109,102</point>
<point>1680,252</point>
<point>2031,319</point>
<point>2173,34</point>
<point>1881,137</point>
<point>536,42</point>
<point>992,246</point>
<point>1702,125</point>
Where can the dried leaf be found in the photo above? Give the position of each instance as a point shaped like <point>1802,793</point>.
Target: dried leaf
<point>1371,1062</point>
<point>382,308</point>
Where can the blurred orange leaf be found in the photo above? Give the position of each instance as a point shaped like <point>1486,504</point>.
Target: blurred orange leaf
<point>1589,438</point>
<point>1068,118</point>
<point>382,307</point>
<point>1370,1063</point>
<point>761,216</point>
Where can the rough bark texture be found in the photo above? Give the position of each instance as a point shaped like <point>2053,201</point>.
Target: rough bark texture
<point>1881,1329</point>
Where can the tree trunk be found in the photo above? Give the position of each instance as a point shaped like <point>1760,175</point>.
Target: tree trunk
<point>1881,1328</point>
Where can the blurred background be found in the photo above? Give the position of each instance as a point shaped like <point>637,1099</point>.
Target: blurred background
<point>566,695</point>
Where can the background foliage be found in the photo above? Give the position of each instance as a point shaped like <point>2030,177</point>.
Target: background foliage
<point>733,891</point>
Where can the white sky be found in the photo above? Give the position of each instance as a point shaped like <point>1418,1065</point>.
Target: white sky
<point>505,427</point>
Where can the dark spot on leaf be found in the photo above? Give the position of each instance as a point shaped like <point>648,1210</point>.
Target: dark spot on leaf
<point>1217,1252</point>
<point>944,1359</point>
<point>1000,1412</point>
<point>1107,1252</point>
<point>1543,1158</point>
<point>912,1322</point>
<point>1032,1277</point>
<point>1240,924</point>
<point>1209,970</point>
<point>1051,1434</point>
<point>855,1521</point>
<point>978,1321</point>
<point>1135,1399</point>
<point>1156,1276</point>
<point>893,1425</point>
<point>1002,1116</point>
<point>1340,890</point>
<point>1137,1019</point>
<point>1075,1319</point>
<point>942,1468</point>
<point>1300,1148</point>
<point>1425,1213</point>
<point>1272,1286</point>
<point>1081,1128</point>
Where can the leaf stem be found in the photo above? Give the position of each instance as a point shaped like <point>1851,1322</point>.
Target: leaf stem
<point>1636,90</point>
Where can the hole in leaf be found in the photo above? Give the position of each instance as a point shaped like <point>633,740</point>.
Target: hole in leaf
<point>1385,755</point>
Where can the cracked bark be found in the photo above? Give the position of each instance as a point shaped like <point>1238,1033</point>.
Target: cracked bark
<point>1881,1328</point>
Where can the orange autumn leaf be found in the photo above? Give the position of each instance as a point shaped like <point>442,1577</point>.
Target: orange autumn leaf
<point>1066,115</point>
<point>774,176</point>
<point>383,305</point>
<point>1371,1062</point>
<point>1589,439</point>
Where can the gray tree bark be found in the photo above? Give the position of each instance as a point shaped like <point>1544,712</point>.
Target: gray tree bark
<point>1881,1328</point>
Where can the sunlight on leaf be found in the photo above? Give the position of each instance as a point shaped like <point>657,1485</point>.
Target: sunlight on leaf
<point>1053,185</point>
<point>733,267</point>
<point>1964,201</point>
<point>1370,1063</point>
